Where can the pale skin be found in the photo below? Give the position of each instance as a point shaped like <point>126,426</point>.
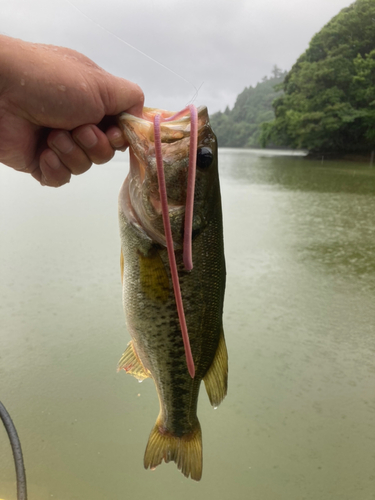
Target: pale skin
<point>57,111</point>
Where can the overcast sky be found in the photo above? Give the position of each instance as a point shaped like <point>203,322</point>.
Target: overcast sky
<point>223,45</point>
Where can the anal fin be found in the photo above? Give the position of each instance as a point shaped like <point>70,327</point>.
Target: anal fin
<point>216,379</point>
<point>131,363</point>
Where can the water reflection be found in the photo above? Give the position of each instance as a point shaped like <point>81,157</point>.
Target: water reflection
<point>294,172</point>
<point>327,208</point>
<point>298,421</point>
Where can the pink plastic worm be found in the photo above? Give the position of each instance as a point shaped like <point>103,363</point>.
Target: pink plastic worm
<point>187,252</point>
<point>189,206</point>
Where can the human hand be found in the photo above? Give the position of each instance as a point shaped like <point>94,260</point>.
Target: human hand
<point>57,110</point>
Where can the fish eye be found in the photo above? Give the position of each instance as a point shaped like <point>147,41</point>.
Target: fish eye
<point>204,158</point>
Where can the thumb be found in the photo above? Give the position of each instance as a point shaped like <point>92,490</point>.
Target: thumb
<point>120,95</point>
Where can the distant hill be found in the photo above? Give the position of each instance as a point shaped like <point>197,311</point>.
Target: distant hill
<point>328,104</point>
<point>240,127</point>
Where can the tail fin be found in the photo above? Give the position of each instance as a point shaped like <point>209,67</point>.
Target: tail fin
<point>186,450</point>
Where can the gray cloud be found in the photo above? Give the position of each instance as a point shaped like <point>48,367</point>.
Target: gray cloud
<point>226,45</point>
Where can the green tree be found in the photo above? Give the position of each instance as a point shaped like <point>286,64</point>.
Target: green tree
<point>277,72</point>
<point>240,127</point>
<point>328,103</point>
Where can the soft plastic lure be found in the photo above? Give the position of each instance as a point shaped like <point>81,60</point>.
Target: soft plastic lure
<point>188,224</point>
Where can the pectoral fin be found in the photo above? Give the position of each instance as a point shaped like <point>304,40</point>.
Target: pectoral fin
<point>216,379</point>
<point>122,266</point>
<point>131,363</point>
<point>154,277</point>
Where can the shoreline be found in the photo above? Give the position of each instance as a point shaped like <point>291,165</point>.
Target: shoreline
<point>362,158</point>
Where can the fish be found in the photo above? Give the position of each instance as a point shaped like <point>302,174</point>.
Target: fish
<point>157,349</point>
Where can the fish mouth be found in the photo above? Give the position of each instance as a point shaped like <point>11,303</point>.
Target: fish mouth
<point>139,196</point>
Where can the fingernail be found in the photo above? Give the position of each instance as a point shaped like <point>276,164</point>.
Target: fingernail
<point>63,143</point>
<point>87,138</point>
<point>52,160</point>
<point>117,139</point>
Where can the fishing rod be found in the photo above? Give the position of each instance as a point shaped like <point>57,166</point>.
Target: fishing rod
<point>17,453</point>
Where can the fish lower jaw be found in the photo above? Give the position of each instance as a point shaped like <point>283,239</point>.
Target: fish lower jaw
<point>174,210</point>
<point>156,235</point>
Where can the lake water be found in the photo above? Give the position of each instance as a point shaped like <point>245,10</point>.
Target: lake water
<point>299,419</point>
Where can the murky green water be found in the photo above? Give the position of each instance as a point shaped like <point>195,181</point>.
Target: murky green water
<point>299,419</point>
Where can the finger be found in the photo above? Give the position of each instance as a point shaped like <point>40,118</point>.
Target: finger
<point>68,152</point>
<point>51,170</point>
<point>94,143</point>
<point>116,138</point>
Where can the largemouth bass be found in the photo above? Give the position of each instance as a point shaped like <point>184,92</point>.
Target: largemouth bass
<point>157,349</point>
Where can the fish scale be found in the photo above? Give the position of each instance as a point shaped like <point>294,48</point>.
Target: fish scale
<point>157,350</point>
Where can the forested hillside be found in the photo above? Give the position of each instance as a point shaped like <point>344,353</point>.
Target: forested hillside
<point>328,104</point>
<point>240,127</point>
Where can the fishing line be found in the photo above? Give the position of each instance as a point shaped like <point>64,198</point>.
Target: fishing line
<point>140,51</point>
<point>195,95</point>
<point>17,453</point>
